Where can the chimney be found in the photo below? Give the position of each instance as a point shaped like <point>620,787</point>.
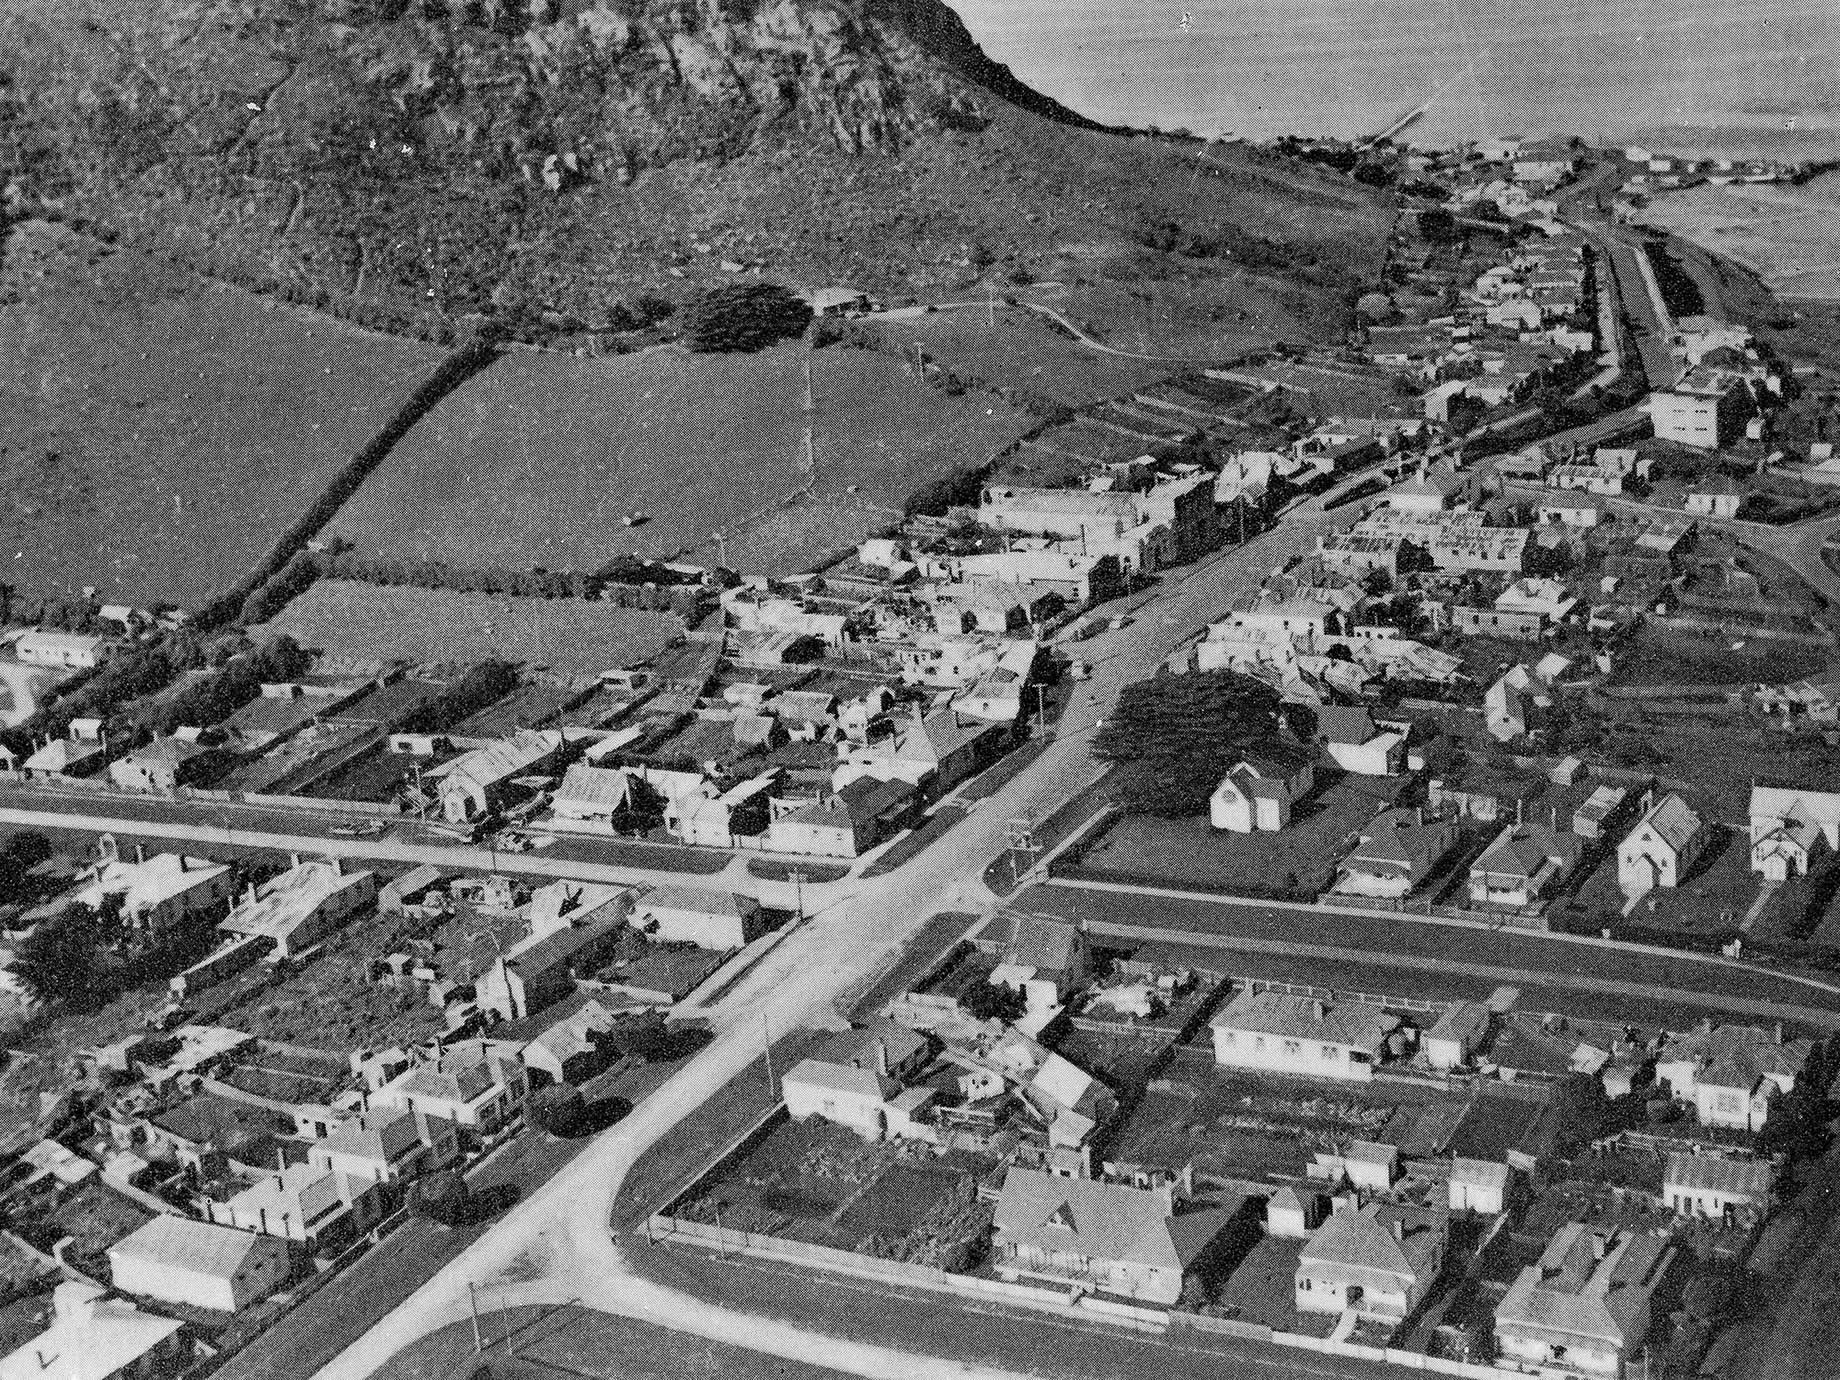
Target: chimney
<point>1319,1010</point>
<point>1600,1246</point>
<point>338,868</point>
<point>1399,1229</point>
<point>140,853</point>
<point>881,1054</point>
<point>293,860</point>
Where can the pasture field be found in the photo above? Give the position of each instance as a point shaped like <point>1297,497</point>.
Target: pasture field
<point>1020,351</point>
<point>538,459</point>
<point>158,431</point>
<point>359,622</point>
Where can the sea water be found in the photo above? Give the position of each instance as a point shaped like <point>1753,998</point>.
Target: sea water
<point>1756,78</point>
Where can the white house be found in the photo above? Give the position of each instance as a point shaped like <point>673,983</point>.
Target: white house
<point>710,919</point>
<point>66,651</point>
<point>1720,497</point>
<point>1380,1260</point>
<point>866,1100</point>
<point>1274,1032</point>
<point>1731,1074</point>
<point>1257,796</point>
<point>93,1337</point>
<point>1663,846</point>
<point>1726,1190</point>
<point>1583,1310</point>
<point>1479,1186</point>
<point>1789,827</point>
<point>1456,1035</point>
<point>1293,1213</point>
<point>1356,744</point>
<point>177,1260</point>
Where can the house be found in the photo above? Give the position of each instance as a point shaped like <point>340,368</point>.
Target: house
<point>866,1100</point>
<point>1456,1035</point>
<point>719,920</point>
<point>1074,1104</point>
<point>1583,1310</point>
<point>1356,744</point>
<point>62,758</point>
<point>845,823</point>
<point>94,1337</point>
<point>302,906</point>
<point>1580,510</point>
<point>1365,1164</point>
<point>165,764</point>
<point>1662,848</point>
<point>1735,1192</point>
<point>1522,864</point>
<point>709,817</point>
<point>387,1145</point>
<point>1038,950</point>
<point>1273,1032</point>
<point>1789,827</point>
<point>65,651</point>
<point>1396,853</point>
<point>1294,1213</point>
<point>165,892</point>
<point>1720,497</point>
<point>595,800</point>
<point>541,970</point>
<point>1479,1186</point>
<point>1507,623</point>
<point>579,1038</point>
<point>1379,1260</point>
<point>199,1264</point>
<point>1703,414</point>
<point>1257,795</point>
<point>1124,1241</point>
<point>1731,1073</point>
<point>1546,599</point>
<point>318,1207</point>
<point>477,1085</point>
<point>933,753</point>
<point>485,779</point>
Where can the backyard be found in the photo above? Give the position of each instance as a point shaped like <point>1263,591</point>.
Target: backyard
<point>351,621</point>
<point>815,1182</point>
<point>160,430</point>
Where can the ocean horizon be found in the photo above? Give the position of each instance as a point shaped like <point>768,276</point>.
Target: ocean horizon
<point>1686,76</point>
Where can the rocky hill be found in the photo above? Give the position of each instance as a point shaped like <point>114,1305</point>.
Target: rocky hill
<point>580,166</point>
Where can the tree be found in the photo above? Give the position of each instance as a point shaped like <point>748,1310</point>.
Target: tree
<point>743,317</point>
<point>1175,736</point>
<point>1437,225</point>
<point>985,1001</point>
<point>559,1110</point>
<point>58,961</point>
<point>441,1197</point>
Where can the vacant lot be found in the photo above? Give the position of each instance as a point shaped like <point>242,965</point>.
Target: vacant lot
<point>21,689</point>
<point>1022,351</point>
<point>540,458</point>
<point>1656,656</point>
<point>156,431</point>
<point>359,622</point>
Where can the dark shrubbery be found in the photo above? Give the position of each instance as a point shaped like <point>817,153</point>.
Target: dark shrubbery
<point>959,489</point>
<point>743,317</point>
<point>1174,737</point>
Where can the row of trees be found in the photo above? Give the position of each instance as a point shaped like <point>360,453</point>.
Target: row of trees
<point>625,581</point>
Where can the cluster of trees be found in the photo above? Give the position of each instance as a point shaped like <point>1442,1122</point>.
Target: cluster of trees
<point>622,581</point>
<point>484,683</point>
<point>83,956</point>
<point>1174,737</point>
<point>744,317</point>
<point>221,695</point>
<point>958,489</point>
<point>985,1001</point>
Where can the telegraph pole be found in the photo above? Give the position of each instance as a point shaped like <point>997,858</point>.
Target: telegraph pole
<point>472,1297</point>
<point>766,1043</point>
<point>1041,710</point>
<point>797,878</point>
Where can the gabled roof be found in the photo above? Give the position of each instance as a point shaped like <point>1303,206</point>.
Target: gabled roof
<point>1364,1239</point>
<point>1480,1173</point>
<point>1100,1221</point>
<point>844,1078</point>
<point>1521,850</point>
<point>90,1338</point>
<point>605,788</point>
<point>696,900</point>
<point>1042,944</point>
<point>857,1047</point>
<point>1674,821</point>
<point>1588,1284</point>
<point>1713,1174</point>
<point>61,754</point>
<point>202,1248</point>
<point>1355,1024</point>
<point>489,765</point>
<point>1344,724</point>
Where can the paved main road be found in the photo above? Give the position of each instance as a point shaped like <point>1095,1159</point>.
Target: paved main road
<point>556,1247</point>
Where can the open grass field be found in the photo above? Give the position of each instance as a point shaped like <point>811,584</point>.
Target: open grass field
<point>21,689</point>
<point>157,431</point>
<point>538,459</point>
<point>1020,351</point>
<point>1789,236</point>
<point>354,621</point>
<point>1657,656</point>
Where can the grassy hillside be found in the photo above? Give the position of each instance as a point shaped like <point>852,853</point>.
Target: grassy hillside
<point>576,168</point>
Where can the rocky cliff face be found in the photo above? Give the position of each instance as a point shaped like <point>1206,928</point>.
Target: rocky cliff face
<point>412,162</point>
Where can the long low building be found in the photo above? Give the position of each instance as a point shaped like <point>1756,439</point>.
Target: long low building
<point>1274,1032</point>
